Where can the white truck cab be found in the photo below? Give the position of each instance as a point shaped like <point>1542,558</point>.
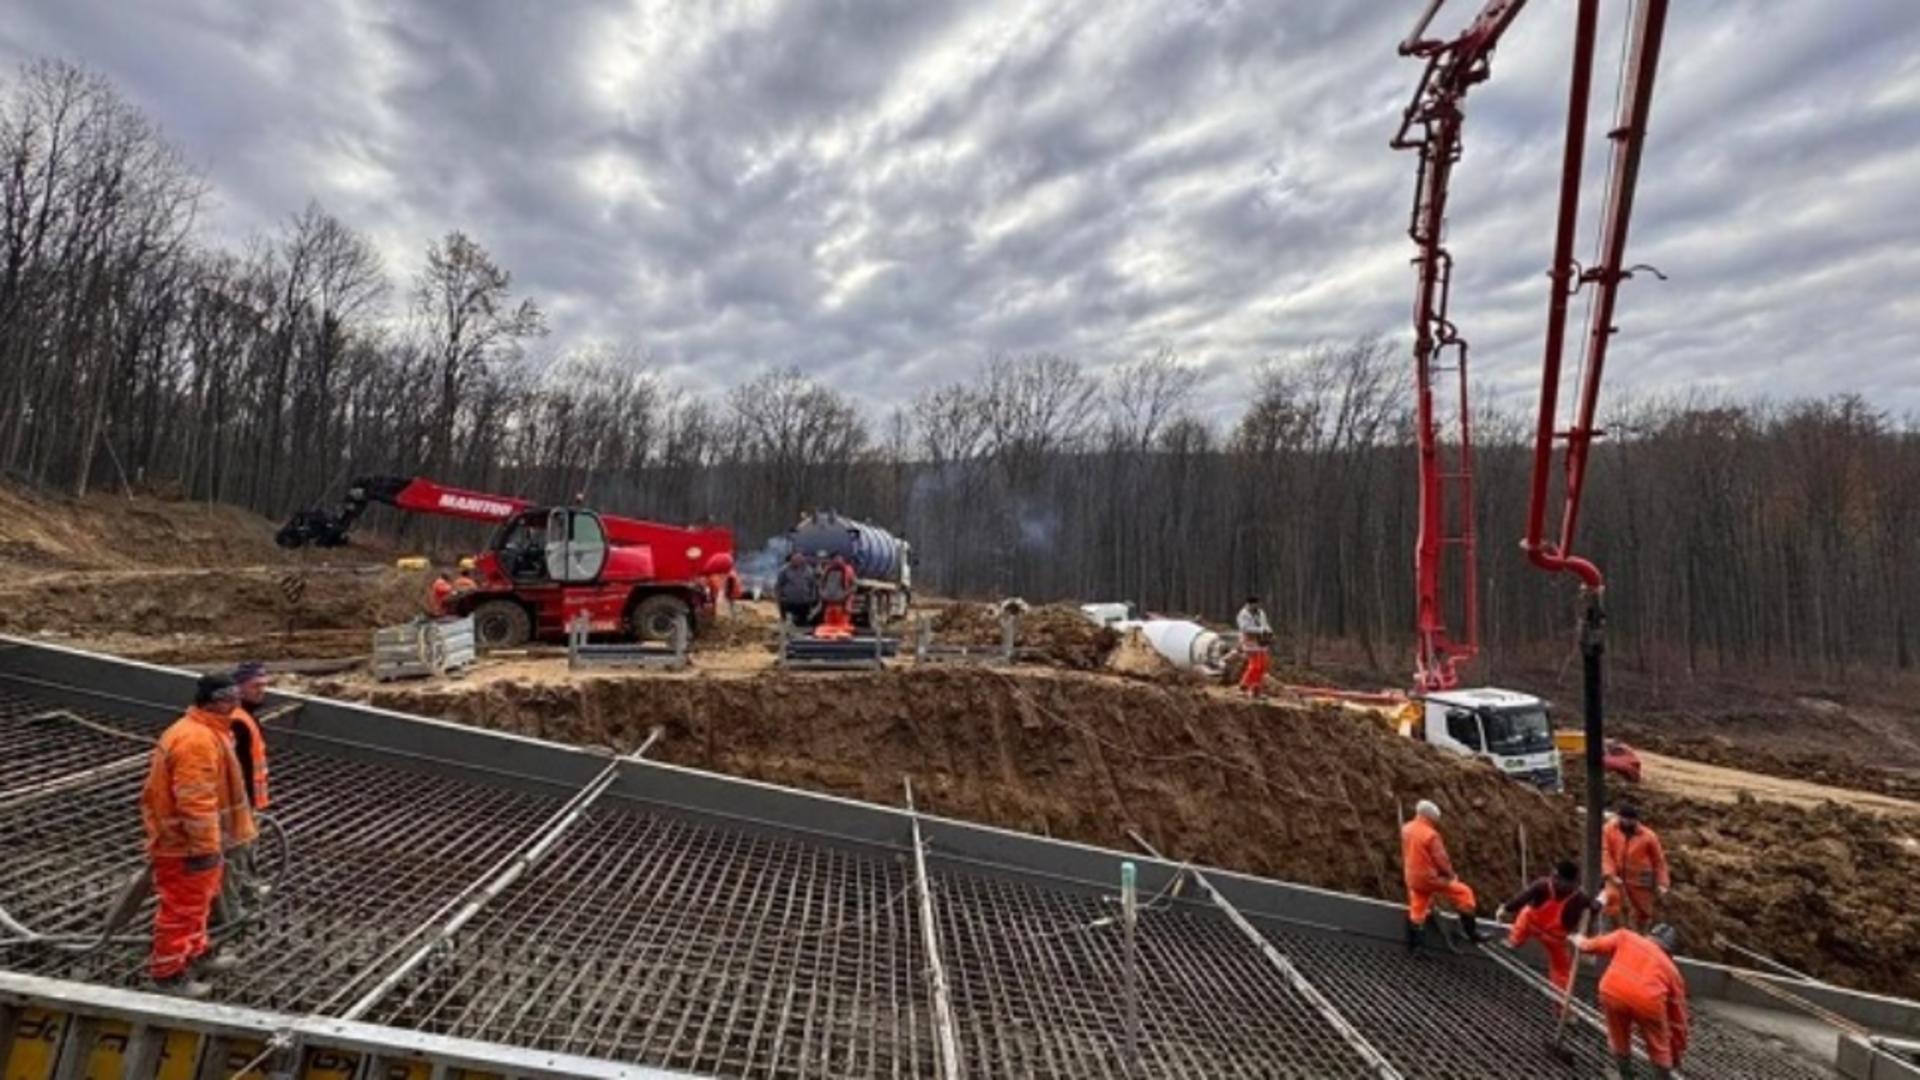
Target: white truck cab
<point>1506,727</point>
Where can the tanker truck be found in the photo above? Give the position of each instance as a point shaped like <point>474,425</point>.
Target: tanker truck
<point>881,563</point>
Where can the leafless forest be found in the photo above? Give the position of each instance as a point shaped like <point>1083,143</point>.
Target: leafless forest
<point>135,355</point>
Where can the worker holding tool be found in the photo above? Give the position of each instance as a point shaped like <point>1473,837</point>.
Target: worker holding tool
<point>1429,875</point>
<point>194,807</point>
<point>796,590</point>
<point>1548,911</point>
<point>1635,866</point>
<point>1642,988</point>
<point>836,593</point>
<point>1256,636</point>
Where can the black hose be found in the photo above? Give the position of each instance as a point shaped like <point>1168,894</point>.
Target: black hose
<point>135,891</point>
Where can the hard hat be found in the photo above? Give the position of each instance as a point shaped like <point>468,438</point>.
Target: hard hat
<point>1665,936</point>
<point>466,563</point>
<point>1428,809</point>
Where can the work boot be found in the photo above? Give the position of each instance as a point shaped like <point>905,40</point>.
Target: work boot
<point>216,962</point>
<point>1623,1068</point>
<point>1416,936</point>
<point>183,986</point>
<point>1661,1072</point>
<point>1447,936</point>
<point>1470,924</point>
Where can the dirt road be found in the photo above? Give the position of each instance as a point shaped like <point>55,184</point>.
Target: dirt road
<point>1698,780</point>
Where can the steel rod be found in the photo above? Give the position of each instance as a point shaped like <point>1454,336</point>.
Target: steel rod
<point>1368,1052</point>
<point>519,866</point>
<point>943,1023</point>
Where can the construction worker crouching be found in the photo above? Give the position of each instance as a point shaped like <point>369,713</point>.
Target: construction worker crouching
<point>1429,875</point>
<point>194,806</point>
<point>1642,988</point>
<point>438,594</point>
<point>836,593</point>
<point>1550,911</point>
<point>464,582</point>
<point>1635,866</point>
<point>1255,636</point>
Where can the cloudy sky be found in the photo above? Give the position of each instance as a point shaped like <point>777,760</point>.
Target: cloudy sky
<point>885,194</point>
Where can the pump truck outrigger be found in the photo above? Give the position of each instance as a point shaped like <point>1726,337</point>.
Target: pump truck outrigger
<point>544,566</point>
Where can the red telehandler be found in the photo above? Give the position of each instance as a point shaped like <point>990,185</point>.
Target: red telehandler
<point>546,565</point>
<point>1431,126</point>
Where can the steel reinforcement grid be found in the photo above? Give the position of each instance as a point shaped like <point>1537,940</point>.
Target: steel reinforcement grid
<point>675,942</point>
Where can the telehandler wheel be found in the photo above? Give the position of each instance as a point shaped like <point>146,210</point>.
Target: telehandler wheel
<point>501,624</point>
<point>653,618</point>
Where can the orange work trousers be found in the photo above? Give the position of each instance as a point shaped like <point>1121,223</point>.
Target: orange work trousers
<point>1256,672</point>
<point>1455,893</point>
<point>834,622</point>
<point>1552,938</point>
<point>1656,1033</point>
<point>1638,905</point>
<point>180,923</point>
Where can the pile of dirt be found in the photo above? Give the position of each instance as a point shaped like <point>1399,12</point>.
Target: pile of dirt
<point>240,602</point>
<point>40,532</point>
<point>1821,889</point>
<point>1136,658</point>
<point>1313,796</point>
<point>1057,635</point>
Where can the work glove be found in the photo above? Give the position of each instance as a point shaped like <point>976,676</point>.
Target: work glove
<point>200,864</point>
<point>1500,913</point>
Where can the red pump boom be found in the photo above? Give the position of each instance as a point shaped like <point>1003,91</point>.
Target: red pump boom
<point>1431,125</point>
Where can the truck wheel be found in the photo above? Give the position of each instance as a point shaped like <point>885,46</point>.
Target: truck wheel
<point>501,624</point>
<point>653,618</point>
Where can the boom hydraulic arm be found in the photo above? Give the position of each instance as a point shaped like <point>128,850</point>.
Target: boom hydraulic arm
<point>321,527</point>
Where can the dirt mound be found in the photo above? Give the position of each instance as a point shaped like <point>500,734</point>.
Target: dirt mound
<point>1304,795</point>
<point>1053,634</point>
<point>1136,658</point>
<point>236,602</point>
<point>1818,888</point>
<point>111,532</point>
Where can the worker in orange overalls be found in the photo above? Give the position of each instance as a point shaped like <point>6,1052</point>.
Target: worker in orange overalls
<point>1548,911</point>
<point>836,593</point>
<point>1429,874</point>
<point>1256,634</point>
<point>1642,988</point>
<point>1635,866</point>
<point>239,885</point>
<point>439,593</point>
<point>194,807</point>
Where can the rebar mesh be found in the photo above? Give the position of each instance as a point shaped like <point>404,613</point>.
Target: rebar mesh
<point>647,937</point>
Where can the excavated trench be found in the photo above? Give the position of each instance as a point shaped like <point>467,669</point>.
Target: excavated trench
<point>1311,796</point>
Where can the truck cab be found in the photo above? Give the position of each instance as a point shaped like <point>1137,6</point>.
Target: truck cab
<point>1505,727</point>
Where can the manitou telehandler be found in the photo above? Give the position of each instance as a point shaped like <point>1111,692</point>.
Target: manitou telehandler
<point>546,565</point>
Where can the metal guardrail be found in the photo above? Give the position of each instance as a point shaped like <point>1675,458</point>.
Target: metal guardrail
<point>424,647</point>
<point>583,653</point>
<point>927,649</point>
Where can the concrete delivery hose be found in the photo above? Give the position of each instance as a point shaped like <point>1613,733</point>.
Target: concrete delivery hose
<point>271,849</point>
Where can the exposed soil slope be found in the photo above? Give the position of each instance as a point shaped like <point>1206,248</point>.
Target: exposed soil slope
<point>1310,796</point>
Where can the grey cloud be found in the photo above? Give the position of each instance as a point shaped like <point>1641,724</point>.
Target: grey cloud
<point>887,194</point>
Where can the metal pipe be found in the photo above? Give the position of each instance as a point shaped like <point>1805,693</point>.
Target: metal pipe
<point>1328,1011</point>
<point>943,1023</point>
<point>516,868</point>
<point>1130,916</point>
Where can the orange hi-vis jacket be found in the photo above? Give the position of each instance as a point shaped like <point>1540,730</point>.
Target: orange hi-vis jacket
<point>256,755</point>
<point>1637,860</point>
<point>1424,855</point>
<point>195,802</point>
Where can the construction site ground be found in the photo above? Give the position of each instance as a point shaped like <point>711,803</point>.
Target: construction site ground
<point>1791,811</point>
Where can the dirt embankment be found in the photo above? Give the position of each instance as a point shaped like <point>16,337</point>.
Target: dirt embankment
<point>1304,795</point>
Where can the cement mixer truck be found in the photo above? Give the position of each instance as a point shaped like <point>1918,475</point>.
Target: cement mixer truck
<point>882,563</point>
